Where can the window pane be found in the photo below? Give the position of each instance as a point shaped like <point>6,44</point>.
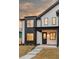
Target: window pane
<point>45,20</point>
<point>44,36</point>
<point>30,37</point>
<point>54,20</point>
<point>53,36</point>
<point>30,23</point>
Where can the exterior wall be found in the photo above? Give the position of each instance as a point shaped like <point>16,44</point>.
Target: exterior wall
<point>30,30</point>
<point>48,40</point>
<point>38,23</point>
<point>20,37</point>
<point>20,26</point>
<point>20,31</point>
<point>39,37</point>
<point>23,32</point>
<point>49,15</point>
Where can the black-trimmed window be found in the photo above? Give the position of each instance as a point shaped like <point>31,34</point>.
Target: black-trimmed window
<point>30,23</point>
<point>52,35</point>
<point>45,21</point>
<point>44,36</point>
<point>53,20</point>
<point>30,37</point>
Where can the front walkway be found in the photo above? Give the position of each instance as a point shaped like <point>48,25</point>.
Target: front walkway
<point>35,51</point>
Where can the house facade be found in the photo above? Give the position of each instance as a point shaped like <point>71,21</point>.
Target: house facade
<point>42,29</point>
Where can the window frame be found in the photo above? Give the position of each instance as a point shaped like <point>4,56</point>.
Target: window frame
<point>54,20</point>
<point>30,36</point>
<point>55,35</point>
<point>32,23</point>
<point>45,21</point>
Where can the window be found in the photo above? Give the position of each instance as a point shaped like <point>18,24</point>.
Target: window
<point>53,36</point>
<point>44,36</point>
<point>46,21</point>
<point>30,23</point>
<point>54,20</point>
<point>30,36</point>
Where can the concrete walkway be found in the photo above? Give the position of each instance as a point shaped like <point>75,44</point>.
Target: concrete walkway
<point>47,46</point>
<point>35,51</point>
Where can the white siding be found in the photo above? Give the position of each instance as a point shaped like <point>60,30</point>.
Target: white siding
<point>23,32</point>
<point>39,37</point>
<point>48,39</point>
<point>20,25</point>
<point>49,15</point>
<point>38,23</point>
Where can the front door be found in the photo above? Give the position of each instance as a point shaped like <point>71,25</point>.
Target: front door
<point>44,37</point>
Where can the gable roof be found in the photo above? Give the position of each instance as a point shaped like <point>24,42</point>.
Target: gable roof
<point>22,19</point>
<point>56,3</point>
<point>51,7</point>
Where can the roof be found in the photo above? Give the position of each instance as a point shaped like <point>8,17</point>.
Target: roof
<point>52,6</point>
<point>30,16</point>
<point>22,19</point>
<point>56,3</point>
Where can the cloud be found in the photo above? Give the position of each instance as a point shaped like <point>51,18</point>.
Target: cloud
<point>33,7</point>
<point>25,6</point>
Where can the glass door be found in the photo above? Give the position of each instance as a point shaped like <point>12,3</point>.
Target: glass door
<point>44,37</point>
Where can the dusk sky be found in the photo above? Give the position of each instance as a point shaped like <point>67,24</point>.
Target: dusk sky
<point>33,7</point>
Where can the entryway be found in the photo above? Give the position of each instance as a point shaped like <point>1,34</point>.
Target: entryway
<point>49,37</point>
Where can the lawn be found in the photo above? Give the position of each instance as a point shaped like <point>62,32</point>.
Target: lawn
<point>24,49</point>
<point>48,53</point>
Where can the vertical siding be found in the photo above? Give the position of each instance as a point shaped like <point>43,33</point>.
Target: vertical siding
<point>39,37</point>
<point>23,32</point>
<point>49,15</point>
<point>20,25</point>
<point>38,23</point>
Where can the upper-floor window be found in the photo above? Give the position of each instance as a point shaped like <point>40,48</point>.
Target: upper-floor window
<point>46,21</point>
<point>54,20</point>
<point>30,23</point>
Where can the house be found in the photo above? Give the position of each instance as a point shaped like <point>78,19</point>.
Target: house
<point>21,30</point>
<point>42,29</point>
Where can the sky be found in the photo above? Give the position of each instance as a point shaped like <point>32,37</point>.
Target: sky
<point>33,7</point>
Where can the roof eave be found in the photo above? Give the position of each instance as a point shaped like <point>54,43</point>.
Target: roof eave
<point>55,4</point>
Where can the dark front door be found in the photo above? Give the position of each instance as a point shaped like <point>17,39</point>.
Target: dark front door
<point>44,37</point>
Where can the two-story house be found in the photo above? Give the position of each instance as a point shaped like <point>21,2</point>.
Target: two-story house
<point>42,29</point>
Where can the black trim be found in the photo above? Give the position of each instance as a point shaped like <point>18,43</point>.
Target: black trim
<point>56,3</point>
<point>40,28</point>
<point>57,37</point>
<point>30,30</point>
<point>44,41</point>
<point>35,28</point>
<point>22,19</point>
<point>57,13</point>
